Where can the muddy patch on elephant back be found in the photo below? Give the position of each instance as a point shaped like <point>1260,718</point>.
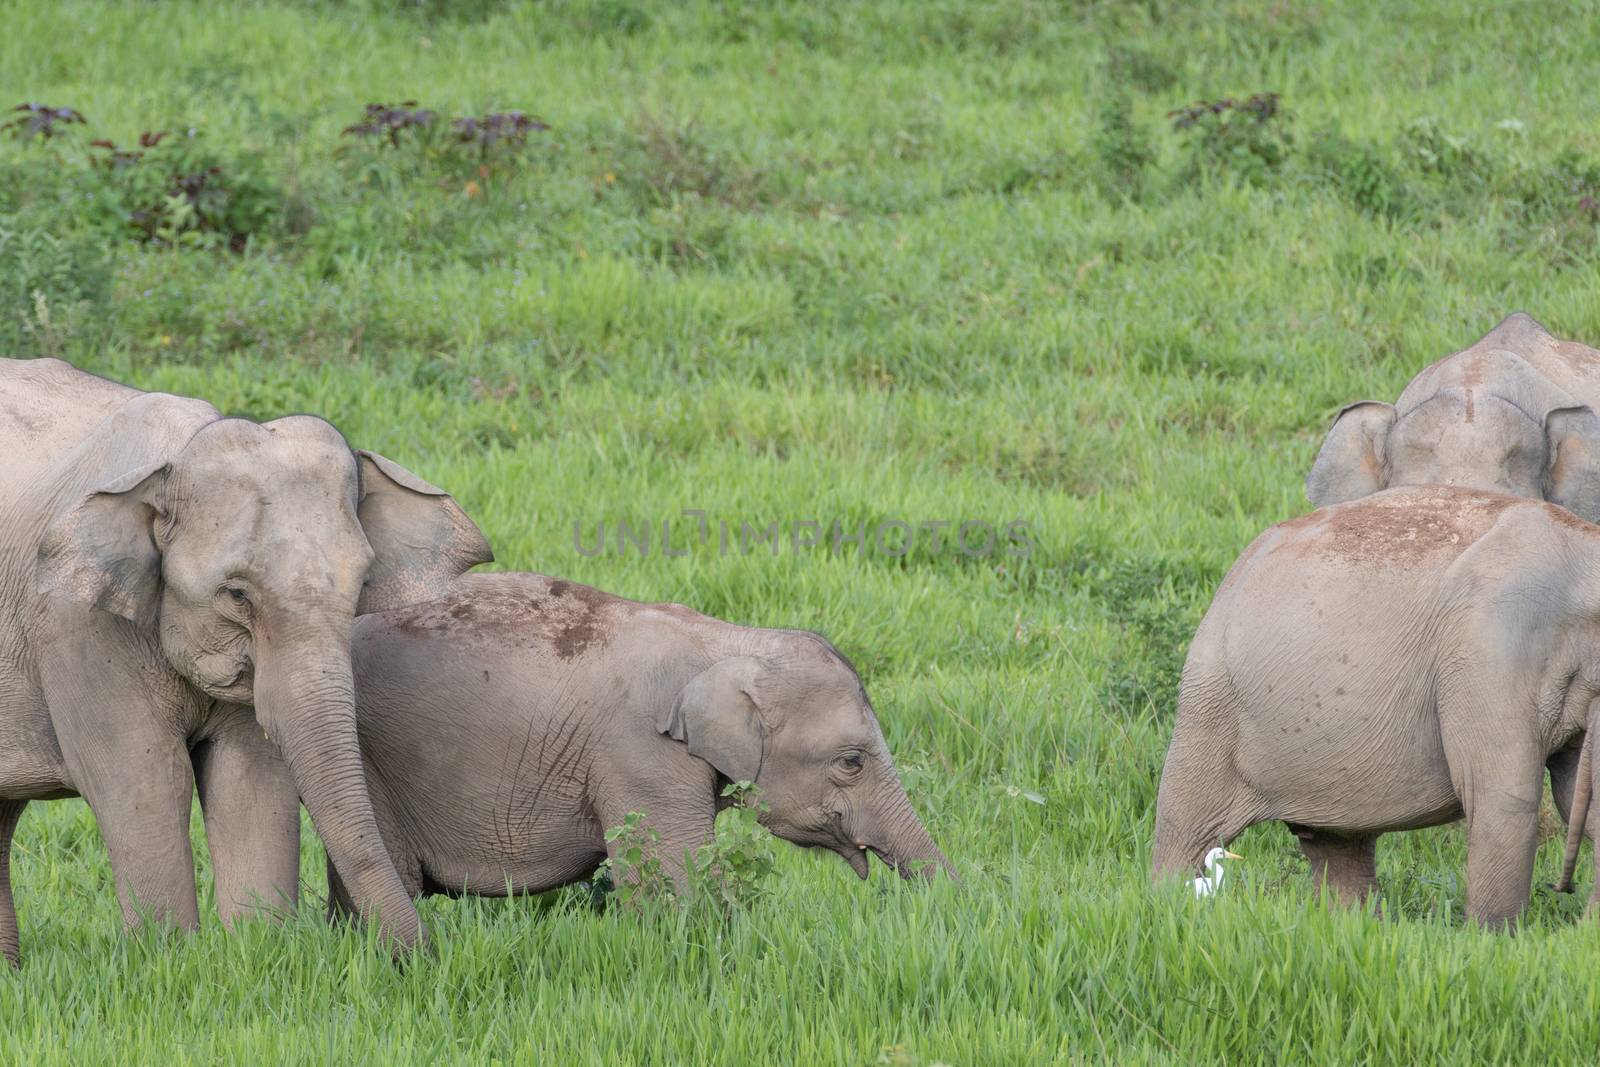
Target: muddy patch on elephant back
<point>1401,526</point>
<point>567,617</point>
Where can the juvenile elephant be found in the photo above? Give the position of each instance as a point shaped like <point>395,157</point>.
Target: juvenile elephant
<point>175,589</point>
<point>507,725</point>
<point>1392,662</point>
<point>1515,413</point>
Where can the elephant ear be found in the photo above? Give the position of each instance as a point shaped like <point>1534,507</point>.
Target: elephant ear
<point>421,539</point>
<point>1572,461</point>
<point>718,717</point>
<point>1351,461</point>
<point>102,553</point>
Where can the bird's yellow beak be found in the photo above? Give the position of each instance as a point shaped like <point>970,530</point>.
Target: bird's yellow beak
<point>1233,856</point>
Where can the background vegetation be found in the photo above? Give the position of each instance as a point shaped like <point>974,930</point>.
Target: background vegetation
<point>1107,268</point>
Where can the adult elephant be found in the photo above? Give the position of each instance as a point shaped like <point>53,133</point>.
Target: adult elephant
<point>1514,413</point>
<point>164,570</point>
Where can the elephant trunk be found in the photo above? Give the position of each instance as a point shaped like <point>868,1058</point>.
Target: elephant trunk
<point>903,843</point>
<point>1578,815</point>
<point>305,700</point>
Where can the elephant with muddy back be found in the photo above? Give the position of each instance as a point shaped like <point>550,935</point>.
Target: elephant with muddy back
<point>1397,661</point>
<point>507,725</point>
<point>177,591</point>
<point>1513,413</point>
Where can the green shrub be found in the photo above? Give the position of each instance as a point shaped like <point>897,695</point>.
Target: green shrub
<point>1248,139</point>
<point>1434,150</point>
<point>735,869</point>
<point>177,189</point>
<point>52,277</point>
<point>637,876</point>
<point>1360,174</point>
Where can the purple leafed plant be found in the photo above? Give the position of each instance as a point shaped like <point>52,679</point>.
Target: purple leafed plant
<point>41,121</point>
<point>509,128</point>
<point>391,120</point>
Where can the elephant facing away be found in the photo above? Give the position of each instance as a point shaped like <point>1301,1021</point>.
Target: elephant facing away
<point>1393,662</point>
<point>1514,413</point>
<point>507,725</point>
<point>176,596</point>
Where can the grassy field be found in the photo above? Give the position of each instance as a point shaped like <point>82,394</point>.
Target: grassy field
<point>850,263</point>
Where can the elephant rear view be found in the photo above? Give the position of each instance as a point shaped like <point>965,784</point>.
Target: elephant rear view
<point>176,596</point>
<point>506,726</point>
<point>1515,413</point>
<point>1393,662</point>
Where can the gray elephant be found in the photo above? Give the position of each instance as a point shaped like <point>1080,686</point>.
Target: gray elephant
<point>175,589</point>
<point>507,725</point>
<point>1515,413</point>
<point>1393,662</point>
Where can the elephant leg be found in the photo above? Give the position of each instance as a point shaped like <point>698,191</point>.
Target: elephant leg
<point>1501,784</point>
<point>1202,801</point>
<point>121,719</point>
<point>1346,865</point>
<point>252,813</point>
<point>10,939</point>
<point>144,819</point>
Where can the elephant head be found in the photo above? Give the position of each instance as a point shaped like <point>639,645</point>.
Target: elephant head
<point>1465,438</point>
<point>243,558</point>
<point>796,722</point>
<point>1512,413</point>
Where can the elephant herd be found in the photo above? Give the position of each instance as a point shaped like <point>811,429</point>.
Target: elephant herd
<point>1422,648</point>
<point>261,613</point>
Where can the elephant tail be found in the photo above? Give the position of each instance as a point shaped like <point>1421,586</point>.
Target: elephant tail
<point>1578,816</point>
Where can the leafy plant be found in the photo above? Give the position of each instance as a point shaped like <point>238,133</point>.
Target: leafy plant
<point>499,132</point>
<point>1435,150</point>
<point>42,122</point>
<point>51,276</point>
<point>1360,173</point>
<point>1248,138</point>
<point>475,144</point>
<point>116,158</point>
<point>636,873</point>
<point>392,122</point>
<point>734,869</point>
<point>177,190</point>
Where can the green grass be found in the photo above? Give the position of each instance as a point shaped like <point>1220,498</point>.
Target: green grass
<point>848,262</point>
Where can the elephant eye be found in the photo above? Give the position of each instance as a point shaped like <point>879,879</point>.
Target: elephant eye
<point>235,595</point>
<point>850,761</point>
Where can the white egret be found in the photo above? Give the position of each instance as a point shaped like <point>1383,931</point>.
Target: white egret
<point>1211,881</point>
